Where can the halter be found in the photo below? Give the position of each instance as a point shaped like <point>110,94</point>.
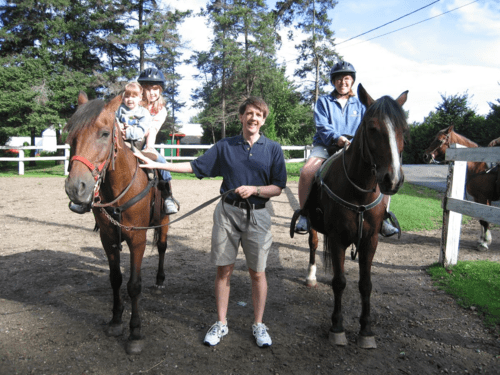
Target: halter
<point>99,172</point>
<point>442,142</point>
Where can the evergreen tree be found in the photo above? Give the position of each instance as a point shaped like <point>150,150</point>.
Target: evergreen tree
<point>317,51</point>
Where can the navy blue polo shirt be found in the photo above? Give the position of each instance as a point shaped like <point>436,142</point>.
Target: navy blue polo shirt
<point>239,164</point>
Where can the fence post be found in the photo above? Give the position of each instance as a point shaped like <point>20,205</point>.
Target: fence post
<point>452,221</point>
<point>66,161</point>
<point>21,163</point>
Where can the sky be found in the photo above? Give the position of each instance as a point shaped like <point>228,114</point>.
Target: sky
<point>452,48</point>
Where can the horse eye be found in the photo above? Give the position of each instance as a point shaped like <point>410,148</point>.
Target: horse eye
<point>105,134</point>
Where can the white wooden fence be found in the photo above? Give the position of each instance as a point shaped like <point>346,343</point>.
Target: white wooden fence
<point>21,159</point>
<point>454,205</point>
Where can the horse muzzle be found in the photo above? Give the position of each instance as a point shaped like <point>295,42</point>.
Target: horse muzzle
<point>390,183</point>
<point>80,189</point>
<point>428,158</point>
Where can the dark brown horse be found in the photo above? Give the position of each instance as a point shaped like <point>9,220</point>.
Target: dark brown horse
<point>348,200</point>
<point>480,184</point>
<point>103,171</point>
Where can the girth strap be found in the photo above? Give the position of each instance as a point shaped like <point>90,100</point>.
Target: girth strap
<point>360,210</point>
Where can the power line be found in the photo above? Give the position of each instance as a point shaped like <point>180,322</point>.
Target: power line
<point>385,24</point>
<point>413,24</point>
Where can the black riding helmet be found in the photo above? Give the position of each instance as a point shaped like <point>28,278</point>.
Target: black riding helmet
<point>343,67</point>
<point>152,76</point>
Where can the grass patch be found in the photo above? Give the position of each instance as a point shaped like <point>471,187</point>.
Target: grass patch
<point>472,283</point>
<point>417,208</point>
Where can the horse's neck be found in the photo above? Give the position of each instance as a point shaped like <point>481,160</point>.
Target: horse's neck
<point>125,164</point>
<point>460,139</point>
<point>358,170</point>
<point>472,167</point>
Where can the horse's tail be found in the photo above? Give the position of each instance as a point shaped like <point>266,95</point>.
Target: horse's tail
<point>327,255</point>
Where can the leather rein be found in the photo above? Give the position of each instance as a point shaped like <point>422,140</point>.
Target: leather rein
<point>99,174</point>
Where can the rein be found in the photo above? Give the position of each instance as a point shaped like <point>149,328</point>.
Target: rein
<point>194,210</point>
<point>360,210</point>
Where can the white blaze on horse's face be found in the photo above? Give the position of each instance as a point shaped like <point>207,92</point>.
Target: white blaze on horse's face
<point>392,180</point>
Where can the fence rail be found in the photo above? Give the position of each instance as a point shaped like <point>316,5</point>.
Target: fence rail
<point>454,205</point>
<point>21,159</point>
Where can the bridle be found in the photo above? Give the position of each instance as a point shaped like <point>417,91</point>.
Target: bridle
<point>443,141</point>
<point>370,161</point>
<point>99,172</point>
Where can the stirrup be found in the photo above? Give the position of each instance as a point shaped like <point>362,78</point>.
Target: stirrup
<point>394,222</point>
<point>293,228</point>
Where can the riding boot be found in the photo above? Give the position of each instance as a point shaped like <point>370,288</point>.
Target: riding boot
<point>169,203</point>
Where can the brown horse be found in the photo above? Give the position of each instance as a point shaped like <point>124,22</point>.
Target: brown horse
<point>104,172</point>
<point>348,200</point>
<point>480,184</point>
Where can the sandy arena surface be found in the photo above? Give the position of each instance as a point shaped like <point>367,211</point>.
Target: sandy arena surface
<point>55,299</point>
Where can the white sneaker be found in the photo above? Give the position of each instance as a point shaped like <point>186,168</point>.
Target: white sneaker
<point>216,333</point>
<point>170,206</point>
<point>261,336</point>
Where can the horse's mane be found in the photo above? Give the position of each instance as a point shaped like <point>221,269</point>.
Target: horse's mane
<point>466,141</point>
<point>388,107</point>
<point>84,116</point>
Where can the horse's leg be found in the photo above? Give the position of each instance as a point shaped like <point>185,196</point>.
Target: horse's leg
<point>115,326</point>
<point>161,234</point>
<point>337,334</point>
<point>311,271</point>
<point>366,339</point>
<point>137,245</point>
<point>485,237</point>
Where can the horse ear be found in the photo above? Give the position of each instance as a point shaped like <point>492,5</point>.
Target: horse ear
<point>364,97</point>
<point>450,128</point>
<point>82,98</point>
<point>402,98</point>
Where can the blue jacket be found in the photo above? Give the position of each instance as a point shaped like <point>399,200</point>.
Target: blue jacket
<point>332,121</point>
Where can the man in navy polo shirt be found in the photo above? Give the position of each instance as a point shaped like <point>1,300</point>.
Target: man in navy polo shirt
<point>254,167</point>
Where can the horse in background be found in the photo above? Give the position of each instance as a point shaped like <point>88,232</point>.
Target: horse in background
<point>480,183</point>
<point>348,200</point>
<point>104,172</point>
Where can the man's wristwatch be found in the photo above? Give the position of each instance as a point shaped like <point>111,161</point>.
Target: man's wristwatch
<point>258,191</point>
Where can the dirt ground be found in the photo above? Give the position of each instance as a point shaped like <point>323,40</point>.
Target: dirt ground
<point>55,299</point>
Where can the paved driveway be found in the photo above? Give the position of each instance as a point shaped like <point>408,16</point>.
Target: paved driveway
<point>430,175</point>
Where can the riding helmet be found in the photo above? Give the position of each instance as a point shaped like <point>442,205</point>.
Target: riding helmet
<point>152,76</point>
<point>343,67</point>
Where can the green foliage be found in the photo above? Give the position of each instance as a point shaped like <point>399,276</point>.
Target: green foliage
<point>472,283</point>
<point>317,51</point>
<point>453,110</point>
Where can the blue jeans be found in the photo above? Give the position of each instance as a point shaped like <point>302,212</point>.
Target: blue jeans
<point>164,174</point>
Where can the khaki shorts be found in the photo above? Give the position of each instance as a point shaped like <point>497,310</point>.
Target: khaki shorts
<point>256,241</point>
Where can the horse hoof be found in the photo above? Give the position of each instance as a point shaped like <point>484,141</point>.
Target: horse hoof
<point>367,342</point>
<point>114,330</point>
<point>158,289</point>
<point>134,346</point>
<point>338,339</point>
<point>482,248</point>
<point>311,283</point>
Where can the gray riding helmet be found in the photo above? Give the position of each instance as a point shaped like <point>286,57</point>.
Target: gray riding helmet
<point>152,76</point>
<point>343,67</point>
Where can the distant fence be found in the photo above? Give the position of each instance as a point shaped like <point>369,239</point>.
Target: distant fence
<point>21,159</point>
<point>454,205</point>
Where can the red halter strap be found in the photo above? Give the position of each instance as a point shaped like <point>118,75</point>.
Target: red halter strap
<point>95,170</point>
